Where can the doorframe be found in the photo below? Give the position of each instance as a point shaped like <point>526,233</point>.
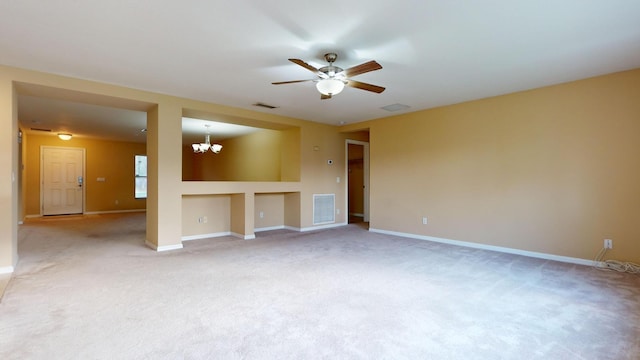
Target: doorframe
<point>84,175</point>
<point>366,177</point>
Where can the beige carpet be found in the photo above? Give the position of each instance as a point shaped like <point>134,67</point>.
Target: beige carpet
<point>87,288</point>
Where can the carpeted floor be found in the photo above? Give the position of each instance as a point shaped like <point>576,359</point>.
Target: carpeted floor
<point>88,288</point>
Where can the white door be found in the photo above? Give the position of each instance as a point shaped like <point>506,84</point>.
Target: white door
<point>62,175</point>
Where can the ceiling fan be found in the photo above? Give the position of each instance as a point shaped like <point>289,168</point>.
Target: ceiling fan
<point>332,79</point>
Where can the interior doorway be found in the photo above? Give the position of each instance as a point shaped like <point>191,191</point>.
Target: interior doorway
<point>62,180</point>
<point>357,154</point>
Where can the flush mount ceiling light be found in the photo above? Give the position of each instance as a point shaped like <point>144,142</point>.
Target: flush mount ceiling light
<point>64,136</point>
<point>206,145</point>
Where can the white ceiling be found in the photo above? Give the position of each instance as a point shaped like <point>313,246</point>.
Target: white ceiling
<point>433,52</point>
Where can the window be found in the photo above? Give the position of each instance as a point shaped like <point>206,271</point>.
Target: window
<point>141,176</point>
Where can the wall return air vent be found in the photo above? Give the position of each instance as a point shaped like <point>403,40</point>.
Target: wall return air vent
<point>324,209</point>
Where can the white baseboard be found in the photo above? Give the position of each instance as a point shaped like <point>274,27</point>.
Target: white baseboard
<point>253,236</point>
<point>501,249</point>
<point>220,234</point>
<point>312,228</point>
<point>205,236</point>
<point>35,216</point>
<point>7,269</point>
<point>163,248</point>
<point>229,233</point>
<point>356,215</point>
<point>244,237</point>
<point>114,211</point>
<point>321,227</point>
<point>270,228</point>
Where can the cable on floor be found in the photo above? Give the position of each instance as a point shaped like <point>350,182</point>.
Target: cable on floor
<point>614,265</point>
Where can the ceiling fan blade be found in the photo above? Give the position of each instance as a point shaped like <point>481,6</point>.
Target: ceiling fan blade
<point>290,82</point>
<point>306,66</point>
<point>365,86</point>
<point>362,68</point>
<point>324,97</point>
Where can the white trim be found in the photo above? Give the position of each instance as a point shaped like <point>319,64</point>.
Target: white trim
<point>367,180</point>
<point>321,227</point>
<point>91,213</point>
<point>163,248</point>
<point>244,237</point>
<point>269,228</point>
<point>501,249</point>
<point>7,270</point>
<point>356,215</point>
<point>114,211</point>
<point>206,236</point>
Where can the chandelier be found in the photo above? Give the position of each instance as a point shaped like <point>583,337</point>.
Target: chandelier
<point>206,145</point>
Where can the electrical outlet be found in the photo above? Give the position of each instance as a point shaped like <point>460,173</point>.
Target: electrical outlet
<point>608,244</point>
<point>424,220</point>
<point>261,214</point>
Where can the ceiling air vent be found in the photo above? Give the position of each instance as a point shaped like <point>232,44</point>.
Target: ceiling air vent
<point>39,129</point>
<point>266,106</point>
<point>395,107</point>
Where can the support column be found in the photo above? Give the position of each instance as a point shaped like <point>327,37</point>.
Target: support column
<point>242,212</point>
<point>9,176</point>
<point>164,177</point>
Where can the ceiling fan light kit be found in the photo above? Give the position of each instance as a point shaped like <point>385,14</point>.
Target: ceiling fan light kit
<point>330,86</point>
<point>332,79</point>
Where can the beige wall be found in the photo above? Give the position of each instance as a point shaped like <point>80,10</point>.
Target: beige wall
<point>271,206</point>
<point>111,160</point>
<point>253,157</point>
<point>319,144</point>
<point>215,208</point>
<point>290,148</point>
<point>554,170</point>
<point>9,174</point>
<point>164,151</point>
